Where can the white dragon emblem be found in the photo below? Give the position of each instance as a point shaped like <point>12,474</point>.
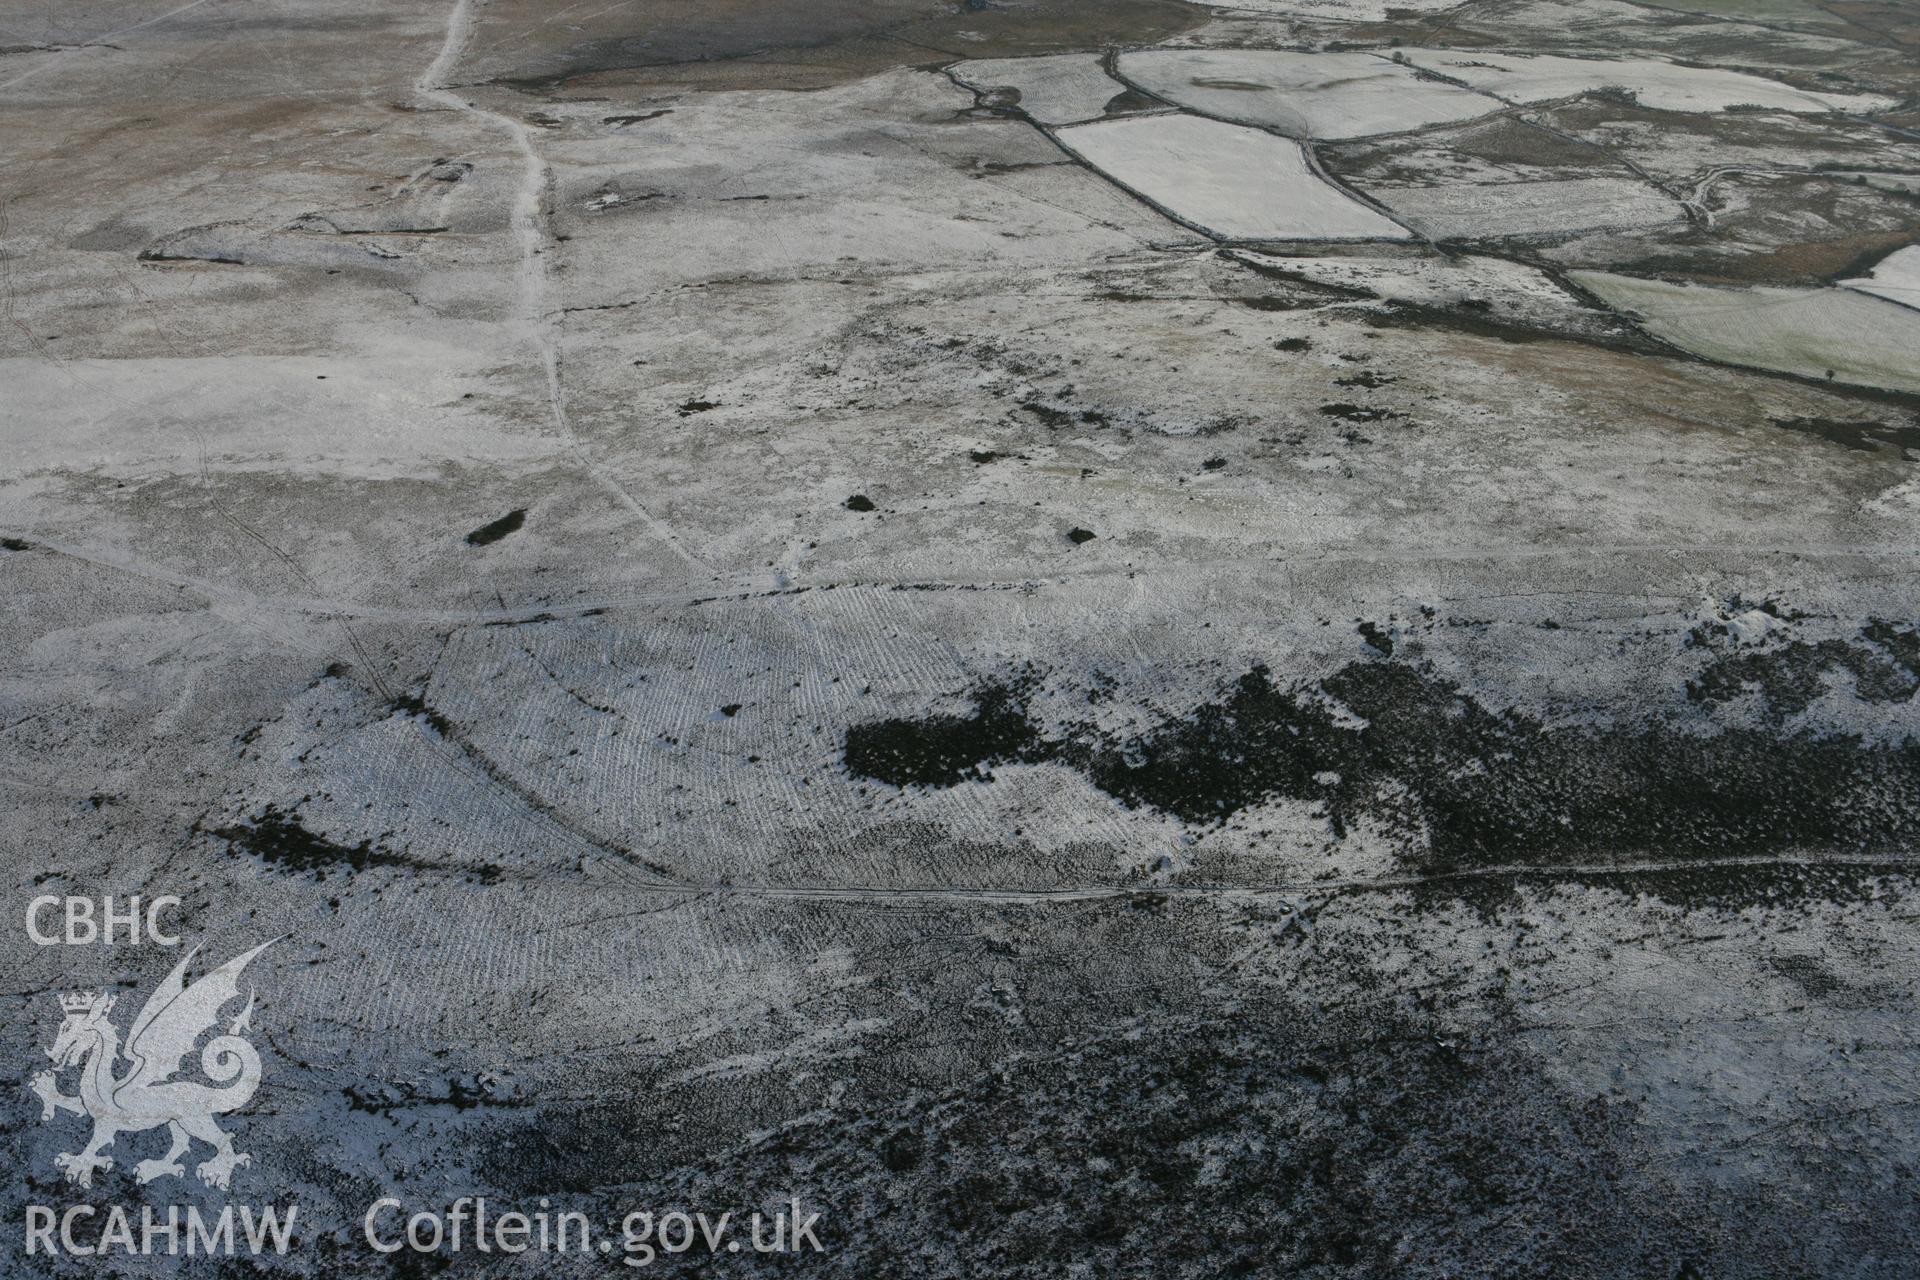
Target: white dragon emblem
<point>146,1095</point>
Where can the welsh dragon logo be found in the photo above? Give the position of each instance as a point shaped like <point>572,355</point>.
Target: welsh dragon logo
<point>145,1095</point>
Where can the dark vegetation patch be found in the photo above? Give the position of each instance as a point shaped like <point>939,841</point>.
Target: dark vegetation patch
<point>167,255</point>
<point>1358,413</point>
<point>1127,101</point>
<point>690,407</point>
<point>1322,1142</point>
<point>1294,344</point>
<point>494,530</point>
<point>1048,414</point>
<point>1365,378</point>
<point>858,502</point>
<point>1813,977</point>
<point>941,750</point>
<point>1164,1119</point>
<point>1790,676</point>
<point>806,44</point>
<point>1691,886</point>
<point>1000,168</point>
<point>413,704</point>
<point>1459,784</point>
<point>1788,257</point>
<point>1903,643</point>
<point>1481,324</point>
<point>283,842</point>
<point>1499,141</point>
<point>462,1093</point>
<point>1865,437</point>
<point>1240,86</point>
<point>531,620</point>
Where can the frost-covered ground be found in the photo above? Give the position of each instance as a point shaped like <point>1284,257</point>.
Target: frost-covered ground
<point>1227,180</point>
<point>1099,638</point>
<point>1895,277</point>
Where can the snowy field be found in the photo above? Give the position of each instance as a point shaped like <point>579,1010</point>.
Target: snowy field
<point>1496,209</point>
<point>1228,180</point>
<point>1895,277</point>
<point>1303,95</point>
<point>1061,89</point>
<point>1663,86</point>
<point>1816,333</point>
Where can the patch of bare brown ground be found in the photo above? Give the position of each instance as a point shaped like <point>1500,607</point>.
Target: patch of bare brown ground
<point>793,44</point>
<point>1803,264</point>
